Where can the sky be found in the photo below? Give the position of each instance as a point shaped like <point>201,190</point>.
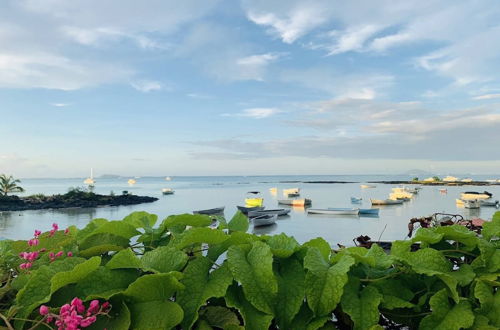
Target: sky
<point>214,87</point>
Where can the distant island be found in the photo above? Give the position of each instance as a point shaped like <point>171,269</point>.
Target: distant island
<point>76,197</point>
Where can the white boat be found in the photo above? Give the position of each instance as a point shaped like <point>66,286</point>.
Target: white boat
<point>402,195</point>
<point>295,202</point>
<point>489,203</point>
<point>369,211</point>
<point>131,182</point>
<point>264,220</point>
<point>90,180</point>
<point>168,178</point>
<point>385,201</point>
<point>278,212</point>
<point>293,195</point>
<point>475,195</point>
<point>459,201</point>
<point>365,186</point>
<point>466,180</point>
<point>167,191</point>
<point>450,178</point>
<point>471,204</point>
<point>333,210</point>
<point>356,200</point>
<point>292,191</point>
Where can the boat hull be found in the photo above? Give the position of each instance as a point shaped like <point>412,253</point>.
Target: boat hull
<point>217,210</point>
<point>264,220</point>
<point>295,202</point>
<point>369,211</point>
<point>246,210</point>
<point>386,202</point>
<point>278,212</point>
<point>334,211</point>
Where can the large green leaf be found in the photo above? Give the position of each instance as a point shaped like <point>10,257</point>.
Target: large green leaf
<point>90,228</point>
<point>235,238</point>
<point>124,259</point>
<point>199,235</point>
<point>427,236</point>
<point>282,246</point>
<point>291,290</point>
<point>164,259</point>
<point>361,304</point>
<point>78,272</point>
<point>117,319</point>
<point>141,219</point>
<point>104,283</point>
<point>220,317</point>
<point>155,315</point>
<point>118,228</point>
<point>490,302</point>
<point>447,316</point>
<point>492,228</point>
<point>97,244</point>
<point>253,318</point>
<point>325,283</point>
<point>200,285</point>
<point>159,287</point>
<point>489,259</point>
<point>395,293</point>
<point>459,234</point>
<point>252,267</point>
<point>177,223</point>
<point>239,222</point>
<point>318,243</point>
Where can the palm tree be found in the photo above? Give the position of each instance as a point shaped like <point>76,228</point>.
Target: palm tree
<point>9,185</point>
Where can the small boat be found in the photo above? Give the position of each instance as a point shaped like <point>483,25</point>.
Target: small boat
<point>293,195</point>
<point>131,182</point>
<point>385,201</point>
<point>365,186</point>
<point>332,210</point>
<point>404,199</point>
<point>356,200</point>
<point>471,204</point>
<point>278,212</point>
<point>251,201</point>
<point>90,180</point>
<point>489,203</point>
<point>273,191</point>
<point>245,210</point>
<point>459,201</point>
<point>368,211</point>
<point>443,191</point>
<point>216,210</point>
<point>475,195</point>
<point>167,191</point>
<point>291,191</point>
<point>264,220</point>
<point>466,180</point>
<point>295,202</point>
<point>168,178</point>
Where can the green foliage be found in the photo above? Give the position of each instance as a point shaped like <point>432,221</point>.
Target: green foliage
<point>9,185</point>
<point>187,273</point>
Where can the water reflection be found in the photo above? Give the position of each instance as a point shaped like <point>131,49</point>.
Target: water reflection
<point>264,230</point>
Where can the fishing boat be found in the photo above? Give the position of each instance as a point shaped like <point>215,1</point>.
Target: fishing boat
<point>286,192</point>
<point>333,210</point>
<point>385,201</point>
<point>216,210</point>
<point>293,195</point>
<point>475,195</point>
<point>356,200</point>
<point>295,202</point>
<point>471,204</point>
<point>90,180</point>
<point>245,210</point>
<point>131,182</point>
<point>459,201</point>
<point>278,212</point>
<point>167,191</point>
<point>369,211</point>
<point>489,203</point>
<point>443,191</point>
<point>400,193</point>
<point>264,220</point>
<point>253,200</point>
<point>365,186</point>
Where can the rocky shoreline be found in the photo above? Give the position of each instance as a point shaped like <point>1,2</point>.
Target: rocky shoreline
<point>77,199</point>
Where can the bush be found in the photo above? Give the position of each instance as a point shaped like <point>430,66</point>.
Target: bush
<point>186,274</point>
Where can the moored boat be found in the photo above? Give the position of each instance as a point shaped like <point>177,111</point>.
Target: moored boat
<point>293,195</point>
<point>475,195</point>
<point>273,191</point>
<point>489,203</point>
<point>131,182</point>
<point>278,212</point>
<point>333,210</point>
<point>364,186</point>
<point>264,220</point>
<point>471,204</point>
<point>369,211</point>
<point>254,199</point>
<point>286,192</point>
<point>443,191</point>
<point>167,191</point>
<point>356,200</point>
<point>385,201</point>
<point>295,202</point>
<point>90,180</point>
<point>245,210</point>
<point>216,210</point>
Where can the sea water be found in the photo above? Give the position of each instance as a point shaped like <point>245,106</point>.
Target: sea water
<point>195,193</point>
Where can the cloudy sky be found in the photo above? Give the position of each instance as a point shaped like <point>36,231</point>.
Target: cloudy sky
<point>213,87</point>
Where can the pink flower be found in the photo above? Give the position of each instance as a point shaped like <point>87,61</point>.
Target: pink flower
<point>59,254</point>
<point>70,254</point>
<point>93,307</point>
<point>88,321</point>
<point>66,231</point>
<point>55,226</point>
<point>44,310</point>
<point>105,305</point>
<point>22,266</point>
<point>78,304</point>
<point>37,233</point>
<point>33,242</point>
<point>52,232</point>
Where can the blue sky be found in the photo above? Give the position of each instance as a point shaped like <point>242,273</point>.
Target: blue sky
<point>248,87</point>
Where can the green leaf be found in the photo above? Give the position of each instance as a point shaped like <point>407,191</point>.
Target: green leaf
<point>282,246</point>
<point>291,290</point>
<point>427,236</point>
<point>252,267</point>
<point>459,234</point>
<point>97,244</point>
<point>200,285</point>
<point>177,223</point>
<point>446,316</point>
<point>117,319</point>
<point>239,222</point>
<point>141,219</point>
<point>79,272</point>
<point>164,259</point>
<point>158,287</point>
<point>489,259</point>
<point>400,248</point>
<point>219,316</point>
<point>395,293</point>
<point>490,302</point>
<point>321,245</point>
<point>199,235</point>
<point>252,317</point>
<point>104,283</point>
<point>124,259</point>
<point>90,228</point>
<point>361,305</point>
<point>464,275</point>
<point>235,238</point>
<point>118,228</point>
<point>325,283</point>
<point>491,228</point>
<point>155,315</point>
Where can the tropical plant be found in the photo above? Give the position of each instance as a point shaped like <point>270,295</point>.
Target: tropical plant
<point>436,178</point>
<point>9,185</point>
<point>186,273</point>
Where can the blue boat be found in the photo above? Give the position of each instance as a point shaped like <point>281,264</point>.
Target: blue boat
<point>356,200</point>
<point>369,211</point>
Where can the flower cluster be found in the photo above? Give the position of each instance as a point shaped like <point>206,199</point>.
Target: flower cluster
<point>74,315</point>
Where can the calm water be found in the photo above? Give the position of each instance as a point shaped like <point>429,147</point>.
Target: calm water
<point>193,193</point>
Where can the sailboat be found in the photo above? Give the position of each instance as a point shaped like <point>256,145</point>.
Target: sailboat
<point>90,181</point>
<point>131,182</point>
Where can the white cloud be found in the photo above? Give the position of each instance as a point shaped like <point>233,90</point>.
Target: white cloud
<point>147,86</point>
<point>352,39</point>
<point>255,113</point>
<point>486,97</point>
<point>253,67</point>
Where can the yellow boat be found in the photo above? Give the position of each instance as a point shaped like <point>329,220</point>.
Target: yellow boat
<point>254,201</point>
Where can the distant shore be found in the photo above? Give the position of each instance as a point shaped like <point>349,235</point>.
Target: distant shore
<point>426,183</point>
<point>72,199</point>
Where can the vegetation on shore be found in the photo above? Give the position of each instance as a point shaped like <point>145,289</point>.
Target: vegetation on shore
<point>190,273</point>
<point>9,185</point>
<point>75,197</point>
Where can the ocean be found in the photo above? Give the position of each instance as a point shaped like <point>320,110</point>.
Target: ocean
<point>194,193</point>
